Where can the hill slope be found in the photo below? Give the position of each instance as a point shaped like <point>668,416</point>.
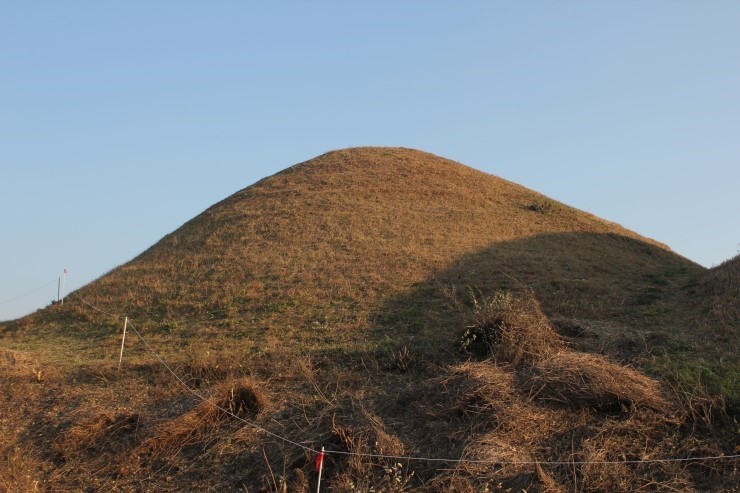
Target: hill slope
<point>722,285</point>
<point>336,304</point>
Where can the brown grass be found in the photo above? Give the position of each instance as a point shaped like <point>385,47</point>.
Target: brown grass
<point>580,379</point>
<point>367,435</point>
<point>332,240</point>
<point>90,433</point>
<point>243,398</point>
<point>19,469</point>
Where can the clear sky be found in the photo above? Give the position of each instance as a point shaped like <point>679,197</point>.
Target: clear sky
<point>119,121</point>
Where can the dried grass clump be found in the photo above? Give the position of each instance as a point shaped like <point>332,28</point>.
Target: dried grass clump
<point>475,394</point>
<point>640,439</point>
<point>478,408</point>
<point>589,380</point>
<point>243,398</point>
<point>370,437</point>
<point>367,434</point>
<point>95,431</point>
<point>508,466</point>
<point>510,327</point>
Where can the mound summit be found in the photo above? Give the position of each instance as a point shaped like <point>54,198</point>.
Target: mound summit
<point>380,302</point>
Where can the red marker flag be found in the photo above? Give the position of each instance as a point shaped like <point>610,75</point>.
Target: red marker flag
<point>319,462</point>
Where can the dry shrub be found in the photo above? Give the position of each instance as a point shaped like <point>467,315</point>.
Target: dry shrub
<point>370,437</point>
<point>365,433</point>
<point>92,432</point>
<point>589,380</point>
<point>510,327</point>
<point>697,406</point>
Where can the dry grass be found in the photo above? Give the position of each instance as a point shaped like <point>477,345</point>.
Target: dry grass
<point>367,435</point>
<point>722,285</point>
<point>244,399</point>
<point>332,240</point>
<point>88,434</point>
<point>580,379</point>
<point>19,469</point>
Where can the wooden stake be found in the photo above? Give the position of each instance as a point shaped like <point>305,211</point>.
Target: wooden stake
<point>123,340</point>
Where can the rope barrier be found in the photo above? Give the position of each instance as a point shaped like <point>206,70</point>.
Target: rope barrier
<point>532,462</point>
<point>397,457</point>
<point>203,399</point>
<point>188,388</point>
<point>30,292</point>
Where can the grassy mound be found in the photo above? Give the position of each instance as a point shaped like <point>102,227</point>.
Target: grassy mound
<point>335,240</point>
<point>316,304</point>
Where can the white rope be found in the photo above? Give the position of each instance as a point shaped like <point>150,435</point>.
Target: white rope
<point>30,292</point>
<point>533,462</point>
<point>191,390</point>
<point>203,399</point>
<point>402,457</point>
<point>94,307</point>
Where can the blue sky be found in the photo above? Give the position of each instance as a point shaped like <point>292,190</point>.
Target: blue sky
<point>120,121</point>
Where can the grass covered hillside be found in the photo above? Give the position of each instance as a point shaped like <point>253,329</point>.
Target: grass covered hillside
<point>338,239</point>
<point>384,303</point>
<point>722,285</point>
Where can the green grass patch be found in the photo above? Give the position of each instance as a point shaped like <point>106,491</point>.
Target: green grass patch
<point>691,370</point>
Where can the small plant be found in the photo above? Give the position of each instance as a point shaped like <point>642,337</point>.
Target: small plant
<point>402,360</point>
<point>480,336</point>
<point>542,206</point>
<point>397,479</point>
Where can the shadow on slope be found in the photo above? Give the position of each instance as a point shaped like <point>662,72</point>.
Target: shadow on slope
<point>722,287</point>
<point>586,276</point>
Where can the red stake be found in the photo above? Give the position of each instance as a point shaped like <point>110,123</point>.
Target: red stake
<point>319,465</point>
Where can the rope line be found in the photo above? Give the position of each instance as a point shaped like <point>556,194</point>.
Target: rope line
<point>30,292</point>
<point>188,388</point>
<point>203,399</point>
<point>95,307</point>
<point>533,462</point>
<point>396,457</point>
